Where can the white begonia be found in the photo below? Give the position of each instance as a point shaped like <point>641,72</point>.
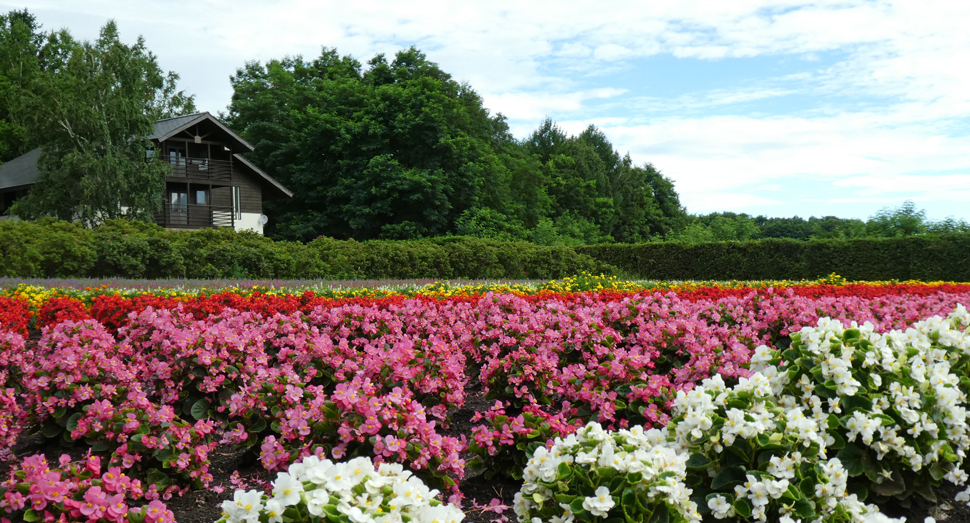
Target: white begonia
<point>600,503</point>
<point>316,499</point>
<point>363,501</point>
<point>286,489</point>
<point>720,507</point>
<point>339,479</point>
<point>757,491</point>
<point>274,510</point>
<point>245,506</point>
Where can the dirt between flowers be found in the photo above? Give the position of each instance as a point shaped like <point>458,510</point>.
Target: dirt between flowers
<point>203,506</point>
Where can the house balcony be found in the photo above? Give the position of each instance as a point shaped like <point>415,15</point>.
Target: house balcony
<point>194,216</point>
<point>200,169</point>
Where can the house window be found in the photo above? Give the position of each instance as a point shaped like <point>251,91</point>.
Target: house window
<point>237,202</point>
<point>179,201</point>
<point>176,157</point>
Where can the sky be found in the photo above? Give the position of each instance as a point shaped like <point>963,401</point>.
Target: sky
<point>776,108</point>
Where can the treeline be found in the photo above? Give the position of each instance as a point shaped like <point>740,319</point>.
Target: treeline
<point>397,149</point>
<point>903,221</point>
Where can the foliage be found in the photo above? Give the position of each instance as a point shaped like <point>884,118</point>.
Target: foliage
<point>91,106</point>
<point>23,50</point>
<point>399,150</point>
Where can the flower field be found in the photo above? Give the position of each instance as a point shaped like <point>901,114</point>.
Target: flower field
<point>115,401</point>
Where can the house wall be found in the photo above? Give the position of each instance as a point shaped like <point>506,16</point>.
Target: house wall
<point>250,221</point>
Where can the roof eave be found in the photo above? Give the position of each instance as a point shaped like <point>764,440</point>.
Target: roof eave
<point>205,116</point>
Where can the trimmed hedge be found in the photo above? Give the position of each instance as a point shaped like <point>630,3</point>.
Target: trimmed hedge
<point>926,258</point>
<point>51,248</point>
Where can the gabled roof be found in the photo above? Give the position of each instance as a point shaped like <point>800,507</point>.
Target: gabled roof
<point>267,178</point>
<point>22,170</point>
<point>164,129</point>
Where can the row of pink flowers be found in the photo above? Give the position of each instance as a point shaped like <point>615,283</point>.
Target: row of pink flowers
<point>383,380</point>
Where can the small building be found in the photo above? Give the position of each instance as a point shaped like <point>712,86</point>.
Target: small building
<point>210,183</point>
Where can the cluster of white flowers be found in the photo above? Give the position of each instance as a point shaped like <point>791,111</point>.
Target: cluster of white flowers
<point>930,392</point>
<point>927,349</point>
<point>328,489</point>
<point>635,451</point>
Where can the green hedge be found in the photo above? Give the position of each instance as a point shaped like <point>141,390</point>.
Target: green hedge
<point>50,248</point>
<point>927,258</point>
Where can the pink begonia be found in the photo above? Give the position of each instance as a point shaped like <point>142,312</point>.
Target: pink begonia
<point>387,375</point>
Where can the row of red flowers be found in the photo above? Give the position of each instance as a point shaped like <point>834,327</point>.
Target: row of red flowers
<point>112,310</point>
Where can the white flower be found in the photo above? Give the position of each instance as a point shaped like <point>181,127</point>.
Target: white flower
<point>274,510</point>
<point>245,506</point>
<point>720,507</point>
<point>600,504</point>
<point>339,478</point>
<point>287,489</point>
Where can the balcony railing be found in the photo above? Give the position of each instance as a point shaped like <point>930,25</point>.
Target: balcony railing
<point>194,216</point>
<point>215,170</point>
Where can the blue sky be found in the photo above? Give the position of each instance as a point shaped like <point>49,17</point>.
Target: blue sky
<point>779,108</point>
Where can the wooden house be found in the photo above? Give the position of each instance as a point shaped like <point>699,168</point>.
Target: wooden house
<point>210,183</point>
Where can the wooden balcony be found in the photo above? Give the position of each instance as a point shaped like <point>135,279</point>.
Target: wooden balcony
<point>200,169</point>
<point>194,216</point>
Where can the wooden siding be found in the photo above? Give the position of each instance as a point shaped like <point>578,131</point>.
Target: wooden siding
<point>251,193</point>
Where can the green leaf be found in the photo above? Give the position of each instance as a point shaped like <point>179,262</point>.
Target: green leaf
<point>728,476</point>
<point>200,409</point>
<point>157,477</point>
<point>890,487</point>
<point>804,508</point>
<point>925,489</point>
<point>72,421</point>
<point>59,412</point>
<point>31,515</point>
<point>51,430</point>
<point>742,507</point>
<point>605,472</point>
<point>851,404</point>
<point>852,459</point>
<point>660,514</point>
<point>698,461</point>
<point>563,471</point>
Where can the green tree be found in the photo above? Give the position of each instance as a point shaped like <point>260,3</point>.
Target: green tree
<point>948,225</point>
<point>905,220</point>
<point>91,110</point>
<point>23,47</point>
<point>396,150</point>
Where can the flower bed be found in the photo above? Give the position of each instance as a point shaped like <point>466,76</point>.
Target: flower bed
<point>152,384</point>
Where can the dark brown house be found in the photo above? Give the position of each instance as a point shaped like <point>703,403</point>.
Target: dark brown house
<point>210,184</point>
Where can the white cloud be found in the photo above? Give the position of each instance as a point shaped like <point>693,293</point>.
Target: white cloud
<point>902,63</point>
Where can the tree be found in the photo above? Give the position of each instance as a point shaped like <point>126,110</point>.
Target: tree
<point>22,50</point>
<point>903,221</point>
<point>399,150</point>
<point>91,109</point>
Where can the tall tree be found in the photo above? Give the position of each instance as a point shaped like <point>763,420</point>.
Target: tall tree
<point>399,150</point>
<point>91,109</point>
<point>22,54</point>
<point>905,220</point>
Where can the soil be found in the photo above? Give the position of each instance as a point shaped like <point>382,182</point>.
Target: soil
<point>203,506</point>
